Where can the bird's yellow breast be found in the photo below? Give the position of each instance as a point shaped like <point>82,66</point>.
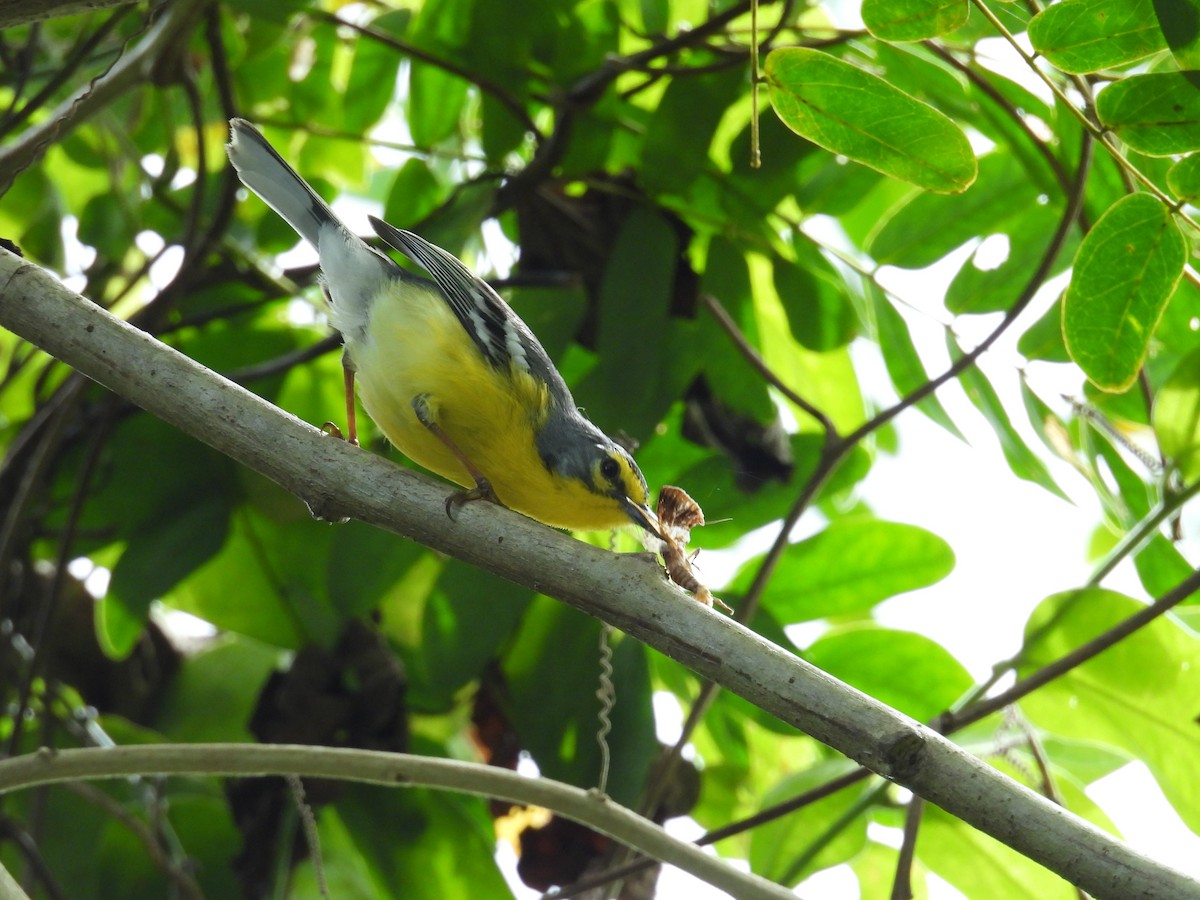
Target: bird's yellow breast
<point>415,346</point>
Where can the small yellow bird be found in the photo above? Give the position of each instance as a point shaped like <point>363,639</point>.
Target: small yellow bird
<point>448,371</point>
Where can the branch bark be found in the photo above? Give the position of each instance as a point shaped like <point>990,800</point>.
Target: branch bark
<point>627,591</point>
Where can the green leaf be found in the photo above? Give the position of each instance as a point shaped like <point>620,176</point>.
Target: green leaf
<point>1133,497</point>
<point>271,10</point>
<point>849,567</point>
<point>913,20</point>
<point>791,847</point>
<point>70,846</point>
<point>414,194</point>
<point>202,822</point>
<point>163,553</point>
<point>1160,566</point>
<point>105,225</point>
<point>929,226</point>
<point>1046,423</point>
<point>503,132</point>
<point>621,391</point>
<point>902,361</point>
<point>31,216</point>
<point>455,646</point>
<point>1157,114</point>
<point>978,290</point>
<point>848,111</point>
<point>372,82</point>
<point>751,195</point>
<point>1184,179</point>
<point>1180,24</point>
<point>422,844</point>
<point>979,865</point>
<point>1088,35</point>
<point>915,70</point>
<point>226,675</point>
<point>1044,338</point>
<point>1139,695</point>
<point>815,298</point>
<point>676,149</point>
<point>830,184</point>
<point>283,565</point>
<point>1125,271</point>
<point>1177,417</point>
<point>435,102</point>
<point>829,380</point>
<point>554,708</point>
<point>169,531</point>
<point>907,671</point>
<point>310,97</point>
<point>1024,463</point>
<point>1084,761</point>
<point>455,223</point>
<point>365,563</point>
<point>554,314</point>
<point>731,378</point>
<point>654,14</point>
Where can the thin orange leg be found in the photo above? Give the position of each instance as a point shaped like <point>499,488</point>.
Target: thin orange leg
<point>351,420</point>
<point>351,435</point>
<point>483,487</point>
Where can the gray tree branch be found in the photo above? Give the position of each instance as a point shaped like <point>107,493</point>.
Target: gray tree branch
<point>391,770</point>
<point>628,591</point>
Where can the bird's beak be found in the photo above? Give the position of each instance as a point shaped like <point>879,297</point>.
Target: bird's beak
<point>642,516</point>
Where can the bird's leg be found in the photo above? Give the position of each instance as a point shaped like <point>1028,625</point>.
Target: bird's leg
<point>483,487</point>
<point>351,420</point>
<point>351,435</point>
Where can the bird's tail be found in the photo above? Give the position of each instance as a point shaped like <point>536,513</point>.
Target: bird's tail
<point>266,173</point>
<point>354,274</point>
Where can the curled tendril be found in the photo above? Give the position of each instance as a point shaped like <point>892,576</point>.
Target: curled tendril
<point>606,693</point>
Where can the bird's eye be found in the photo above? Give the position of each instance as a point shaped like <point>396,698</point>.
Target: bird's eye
<point>610,469</point>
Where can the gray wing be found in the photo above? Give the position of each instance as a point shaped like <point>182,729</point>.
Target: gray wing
<point>498,332</point>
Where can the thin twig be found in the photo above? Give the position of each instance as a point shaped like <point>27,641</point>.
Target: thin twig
<point>752,356</point>
<point>1068,220</point>
<point>66,545</point>
<point>505,97</point>
<point>953,721</point>
<point>755,149</point>
<point>12,832</point>
<point>62,73</point>
<point>1019,119</point>
<point>902,883</point>
<point>183,882</point>
<point>129,70</point>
